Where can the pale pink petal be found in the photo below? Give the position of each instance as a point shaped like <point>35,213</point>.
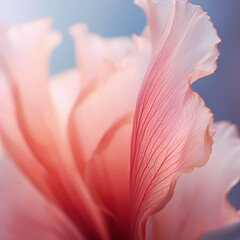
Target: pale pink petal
<point>200,201</point>
<point>92,49</point>
<point>25,213</point>
<point>110,95</point>
<point>65,88</point>
<point>172,127</point>
<point>38,145</point>
<point>14,142</point>
<point>108,175</point>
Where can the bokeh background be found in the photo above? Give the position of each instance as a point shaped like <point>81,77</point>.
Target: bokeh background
<point>121,17</point>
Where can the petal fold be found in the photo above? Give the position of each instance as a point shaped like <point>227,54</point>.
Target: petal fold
<point>92,49</point>
<point>31,129</point>
<point>110,94</point>
<point>64,89</point>
<point>108,175</point>
<point>173,129</point>
<point>199,204</point>
<point>25,213</point>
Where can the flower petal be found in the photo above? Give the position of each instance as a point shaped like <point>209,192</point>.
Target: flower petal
<point>15,143</point>
<point>173,129</point>
<point>108,175</point>
<point>200,201</point>
<point>65,88</point>
<point>92,49</point>
<point>110,95</point>
<point>25,51</point>
<point>25,213</point>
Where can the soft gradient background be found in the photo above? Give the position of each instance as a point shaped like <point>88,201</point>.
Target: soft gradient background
<point>121,17</point>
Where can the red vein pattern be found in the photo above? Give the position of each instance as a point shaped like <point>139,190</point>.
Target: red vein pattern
<point>200,204</point>
<point>173,128</point>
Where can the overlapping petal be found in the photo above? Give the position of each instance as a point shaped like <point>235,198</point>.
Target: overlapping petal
<point>172,127</point>
<point>64,89</point>
<point>52,131</point>
<point>108,175</point>
<point>30,128</point>
<point>92,50</point>
<point>200,201</point>
<point>18,200</point>
<point>111,92</point>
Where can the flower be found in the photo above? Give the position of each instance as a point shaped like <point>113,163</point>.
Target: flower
<point>99,149</point>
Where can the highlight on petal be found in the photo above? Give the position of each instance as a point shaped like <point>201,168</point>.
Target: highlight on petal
<point>65,88</point>
<point>110,95</point>
<point>92,50</point>
<point>25,213</point>
<point>108,175</point>
<point>31,130</point>
<point>200,201</point>
<point>173,129</point>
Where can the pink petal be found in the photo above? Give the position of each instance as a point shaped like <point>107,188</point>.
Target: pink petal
<point>65,88</point>
<point>30,128</point>
<point>25,213</point>
<point>229,232</point>
<point>15,143</point>
<point>108,175</point>
<point>92,49</point>
<point>200,201</point>
<point>110,95</point>
<point>172,127</point>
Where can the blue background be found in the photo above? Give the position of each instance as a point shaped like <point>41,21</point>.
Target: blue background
<point>121,17</point>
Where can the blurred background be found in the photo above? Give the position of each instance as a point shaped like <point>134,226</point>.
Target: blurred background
<point>121,17</point>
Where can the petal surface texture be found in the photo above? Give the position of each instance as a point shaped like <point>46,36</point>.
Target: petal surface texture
<point>173,129</point>
<point>200,201</point>
<point>65,88</point>
<point>108,176</point>
<point>31,129</point>
<point>111,90</point>
<point>92,50</point>
<point>25,213</point>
